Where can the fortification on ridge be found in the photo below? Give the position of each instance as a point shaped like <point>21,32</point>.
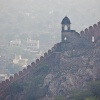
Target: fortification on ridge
<point>90,34</point>
<point>70,40</point>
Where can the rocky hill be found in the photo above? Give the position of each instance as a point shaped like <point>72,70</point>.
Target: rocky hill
<point>68,66</point>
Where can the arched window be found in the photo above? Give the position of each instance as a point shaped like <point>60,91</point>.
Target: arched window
<point>66,28</point>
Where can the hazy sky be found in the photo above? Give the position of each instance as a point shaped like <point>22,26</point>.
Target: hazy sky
<point>82,13</point>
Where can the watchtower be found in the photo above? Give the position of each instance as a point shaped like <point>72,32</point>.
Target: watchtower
<point>65,28</point>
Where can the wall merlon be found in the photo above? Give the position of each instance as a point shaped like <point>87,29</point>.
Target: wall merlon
<point>24,71</point>
<point>33,64</point>
<point>53,48</point>
<point>11,78</point>
<point>37,61</point>
<point>29,67</point>
<point>91,28</point>
<point>41,58</point>
<point>86,30</point>
<point>20,73</point>
<point>99,23</point>
<point>15,76</point>
<point>45,54</point>
<point>49,51</point>
<point>82,33</point>
<point>95,26</point>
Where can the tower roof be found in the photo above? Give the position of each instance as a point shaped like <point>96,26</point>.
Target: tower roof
<point>66,20</point>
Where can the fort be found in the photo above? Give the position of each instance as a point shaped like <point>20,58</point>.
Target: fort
<point>91,34</point>
<point>70,40</point>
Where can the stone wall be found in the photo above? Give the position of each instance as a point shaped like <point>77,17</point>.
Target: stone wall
<point>91,32</point>
<point>17,76</point>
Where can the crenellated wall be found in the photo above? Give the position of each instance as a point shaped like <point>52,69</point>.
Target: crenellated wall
<point>23,73</point>
<point>92,33</point>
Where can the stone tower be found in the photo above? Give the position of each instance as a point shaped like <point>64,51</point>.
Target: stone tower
<point>70,39</point>
<point>65,28</point>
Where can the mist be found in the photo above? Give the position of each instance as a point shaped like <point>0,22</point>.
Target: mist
<point>40,16</point>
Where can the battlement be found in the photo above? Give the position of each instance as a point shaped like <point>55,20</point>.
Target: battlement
<point>91,33</point>
<point>25,72</point>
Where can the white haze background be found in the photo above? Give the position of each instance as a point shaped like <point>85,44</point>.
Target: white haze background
<point>37,16</point>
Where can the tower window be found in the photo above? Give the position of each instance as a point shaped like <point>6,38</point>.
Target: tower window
<point>66,28</point>
<point>65,38</point>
